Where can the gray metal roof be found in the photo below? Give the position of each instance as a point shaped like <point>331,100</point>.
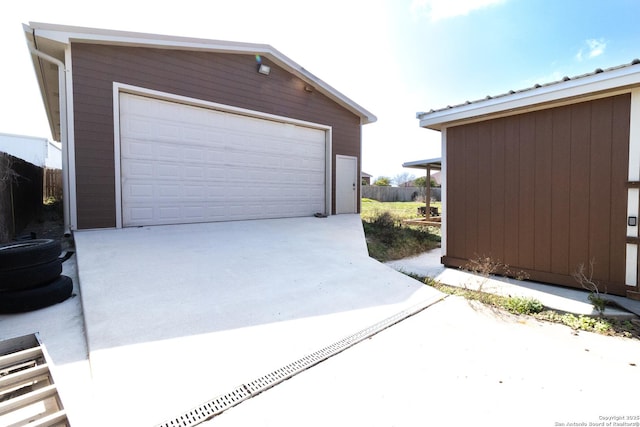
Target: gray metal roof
<point>536,86</point>
<point>599,80</point>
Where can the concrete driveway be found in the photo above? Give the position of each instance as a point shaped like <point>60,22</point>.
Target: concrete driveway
<point>460,364</point>
<point>174,319</point>
<point>177,315</point>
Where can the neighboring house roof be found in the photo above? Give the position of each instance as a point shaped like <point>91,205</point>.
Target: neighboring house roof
<point>365,175</point>
<point>28,148</point>
<point>598,83</point>
<point>52,40</point>
<point>437,177</point>
<point>54,155</point>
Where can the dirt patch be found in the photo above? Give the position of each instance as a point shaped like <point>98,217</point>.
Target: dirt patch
<point>48,225</point>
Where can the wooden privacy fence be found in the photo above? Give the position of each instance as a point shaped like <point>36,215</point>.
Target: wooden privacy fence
<point>52,184</point>
<point>21,189</point>
<point>398,194</point>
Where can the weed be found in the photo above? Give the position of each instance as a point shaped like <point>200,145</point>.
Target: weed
<point>586,323</point>
<point>532,307</point>
<point>520,305</point>
<point>485,266</point>
<point>520,275</point>
<point>429,281</point>
<point>388,238</point>
<point>585,279</point>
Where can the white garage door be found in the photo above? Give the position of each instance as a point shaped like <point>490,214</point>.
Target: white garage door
<point>185,164</point>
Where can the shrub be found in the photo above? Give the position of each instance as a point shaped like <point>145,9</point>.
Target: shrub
<point>388,239</point>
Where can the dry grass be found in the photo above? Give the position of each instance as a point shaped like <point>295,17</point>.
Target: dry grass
<point>388,239</point>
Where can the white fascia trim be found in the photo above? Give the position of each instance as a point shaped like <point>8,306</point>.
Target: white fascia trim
<point>633,194</point>
<point>117,167</point>
<point>631,271</point>
<point>119,88</point>
<point>634,136</point>
<point>66,35</point>
<point>633,210</point>
<point>443,192</point>
<point>359,199</point>
<point>70,140</point>
<point>328,171</point>
<point>580,87</point>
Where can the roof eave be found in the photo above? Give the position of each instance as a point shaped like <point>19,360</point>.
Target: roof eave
<point>68,34</point>
<point>45,92</point>
<point>622,78</point>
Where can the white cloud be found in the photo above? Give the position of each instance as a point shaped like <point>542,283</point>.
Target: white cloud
<point>594,48</point>
<point>442,9</point>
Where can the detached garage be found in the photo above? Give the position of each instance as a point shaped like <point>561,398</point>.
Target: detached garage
<point>547,179</point>
<point>166,130</point>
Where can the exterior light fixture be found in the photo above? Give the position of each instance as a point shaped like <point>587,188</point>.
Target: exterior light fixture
<point>264,69</point>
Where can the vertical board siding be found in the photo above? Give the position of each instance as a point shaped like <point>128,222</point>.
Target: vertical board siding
<point>600,186</point>
<point>484,200</point>
<point>543,191</point>
<point>456,177</point>
<point>560,194</point>
<point>471,184</point>
<point>512,190</point>
<point>229,79</point>
<point>527,186</point>
<point>579,191</point>
<point>498,192</point>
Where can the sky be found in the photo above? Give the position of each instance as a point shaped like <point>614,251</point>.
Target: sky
<point>393,57</point>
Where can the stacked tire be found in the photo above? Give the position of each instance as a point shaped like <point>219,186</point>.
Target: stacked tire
<point>30,276</point>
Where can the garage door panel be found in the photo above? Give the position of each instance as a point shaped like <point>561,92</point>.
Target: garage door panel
<point>167,215</point>
<point>183,164</point>
<point>137,149</point>
<point>141,214</point>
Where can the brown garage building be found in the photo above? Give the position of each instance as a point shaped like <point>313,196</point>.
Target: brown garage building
<point>547,178</point>
<point>165,130</point>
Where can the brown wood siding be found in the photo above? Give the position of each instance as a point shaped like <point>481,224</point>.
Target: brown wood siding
<point>543,191</point>
<point>457,177</point>
<point>498,189</point>
<point>560,185</point>
<point>512,191</point>
<point>222,78</point>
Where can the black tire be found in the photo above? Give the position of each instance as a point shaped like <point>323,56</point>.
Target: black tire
<point>30,277</point>
<point>33,299</point>
<point>27,253</point>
